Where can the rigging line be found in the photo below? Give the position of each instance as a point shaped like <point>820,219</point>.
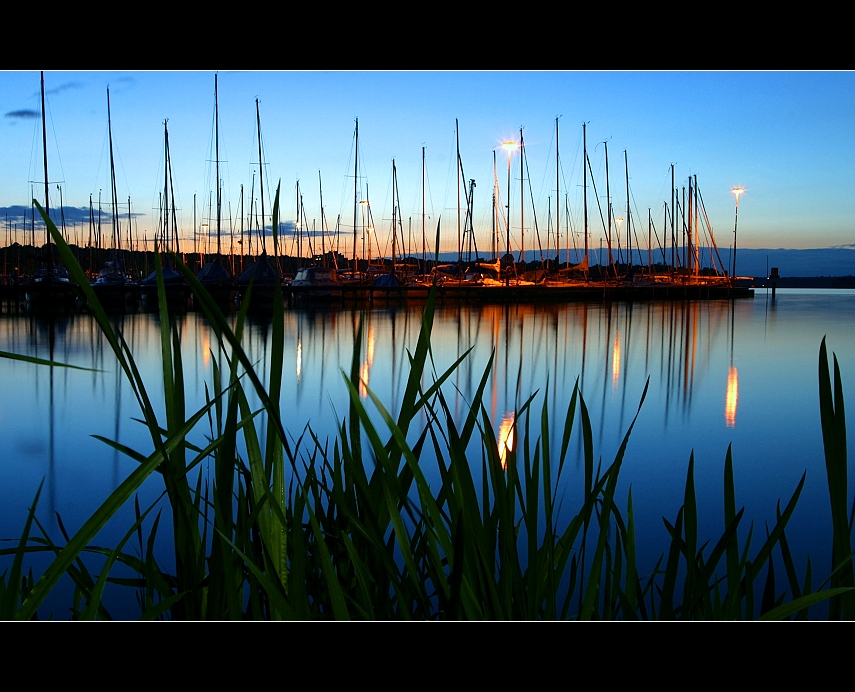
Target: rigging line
<point>577,251</point>
<point>656,235</point>
<point>635,227</point>
<point>533,210</point>
<point>709,226</point>
<point>600,209</point>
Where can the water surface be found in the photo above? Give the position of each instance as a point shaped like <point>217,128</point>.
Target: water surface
<point>719,373</point>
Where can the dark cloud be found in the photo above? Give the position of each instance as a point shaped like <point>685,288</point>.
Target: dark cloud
<point>24,114</point>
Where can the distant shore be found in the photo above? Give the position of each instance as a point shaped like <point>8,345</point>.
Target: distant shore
<point>806,282</point>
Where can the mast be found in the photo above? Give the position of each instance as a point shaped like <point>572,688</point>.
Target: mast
<point>323,223</point>
<point>130,235</point>
<point>508,207</point>
<point>165,232</point>
<point>689,230</point>
<point>585,189</point>
<point>115,199</point>
<point>557,200</point>
<point>44,148</point>
<point>299,226</point>
<point>217,163</point>
<point>91,229</point>
<point>424,246</point>
<point>355,192</point>
<point>522,203</point>
<point>261,179</point>
<point>697,231</point>
<point>609,210</point>
<point>459,237</point>
<point>686,242</point>
<point>394,210</point>
<point>649,241</point>
<point>494,245</point>
<point>628,218</point>
<point>251,216</point>
<point>673,221</point>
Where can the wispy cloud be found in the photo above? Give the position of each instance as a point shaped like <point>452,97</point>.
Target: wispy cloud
<point>122,84</point>
<point>63,87</point>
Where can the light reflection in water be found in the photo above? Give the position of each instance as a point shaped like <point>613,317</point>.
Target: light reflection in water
<point>731,397</point>
<point>505,439</point>
<point>616,361</point>
<point>365,369</point>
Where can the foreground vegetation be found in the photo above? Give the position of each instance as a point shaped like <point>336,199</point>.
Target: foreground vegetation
<point>352,529</point>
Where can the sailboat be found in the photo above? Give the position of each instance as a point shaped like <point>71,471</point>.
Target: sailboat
<point>213,275</point>
<point>113,286</point>
<point>176,288</point>
<point>51,286</point>
<point>263,274</point>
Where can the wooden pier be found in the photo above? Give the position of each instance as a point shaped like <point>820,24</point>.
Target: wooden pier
<point>542,293</point>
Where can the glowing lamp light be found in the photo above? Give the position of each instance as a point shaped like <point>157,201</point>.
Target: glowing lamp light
<point>738,191</point>
<point>510,147</point>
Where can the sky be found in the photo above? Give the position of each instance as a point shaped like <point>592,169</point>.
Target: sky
<point>787,137</point>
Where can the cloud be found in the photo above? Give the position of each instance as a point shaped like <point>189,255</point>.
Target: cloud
<point>30,114</point>
<point>24,114</point>
<point>74,216</point>
<point>64,87</point>
<point>122,84</point>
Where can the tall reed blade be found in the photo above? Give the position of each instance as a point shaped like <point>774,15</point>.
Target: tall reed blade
<point>833,421</point>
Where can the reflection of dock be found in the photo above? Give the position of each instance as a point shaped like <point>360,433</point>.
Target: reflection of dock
<point>535,293</point>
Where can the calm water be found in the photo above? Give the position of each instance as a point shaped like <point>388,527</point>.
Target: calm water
<point>740,373</point>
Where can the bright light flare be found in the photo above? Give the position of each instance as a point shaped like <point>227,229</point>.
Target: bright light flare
<point>738,191</point>
<point>510,146</point>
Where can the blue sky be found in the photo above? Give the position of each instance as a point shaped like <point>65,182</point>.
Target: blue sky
<point>787,137</point>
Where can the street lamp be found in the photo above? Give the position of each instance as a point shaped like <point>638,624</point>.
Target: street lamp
<point>736,191</point>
